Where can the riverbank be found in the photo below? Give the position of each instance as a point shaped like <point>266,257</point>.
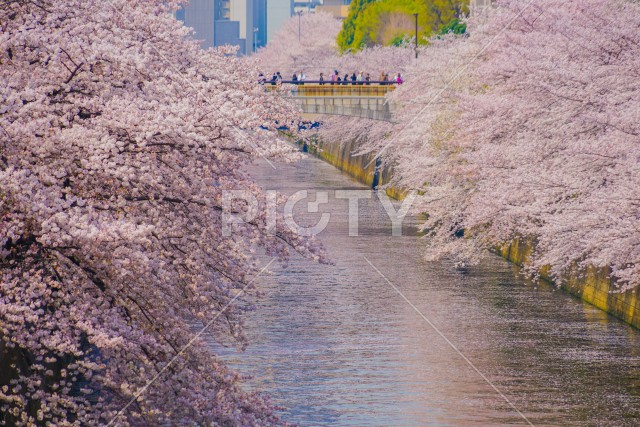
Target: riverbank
<point>365,168</point>
<point>592,286</point>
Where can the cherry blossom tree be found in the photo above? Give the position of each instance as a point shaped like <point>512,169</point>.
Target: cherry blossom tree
<point>118,136</point>
<point>311,51</point>
<point>528,128</point>
<point>316,51</point>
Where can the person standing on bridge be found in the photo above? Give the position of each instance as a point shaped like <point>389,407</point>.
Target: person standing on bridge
<point>367,79</point>
<point>301,77</point>
<point>353,78</point>
<point>335,77</point>
<point>294,79</point>
<point>345,80</point>
<point>381,78</point>
<point>321,79</point>
<point>399,79</point>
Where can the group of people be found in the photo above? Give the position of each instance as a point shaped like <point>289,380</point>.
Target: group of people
<point>335,78</point>
<point>360,78</point>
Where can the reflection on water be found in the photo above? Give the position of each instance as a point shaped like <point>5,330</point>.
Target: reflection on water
<point>336,345</point>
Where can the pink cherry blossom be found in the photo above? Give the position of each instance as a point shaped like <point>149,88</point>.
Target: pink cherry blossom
<point>529,128</point>
<point>117,137</point>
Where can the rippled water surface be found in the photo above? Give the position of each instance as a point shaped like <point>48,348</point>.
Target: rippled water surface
<point>337,345</point>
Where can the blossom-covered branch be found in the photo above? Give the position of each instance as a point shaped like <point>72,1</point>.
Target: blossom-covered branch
<point>118,136</point>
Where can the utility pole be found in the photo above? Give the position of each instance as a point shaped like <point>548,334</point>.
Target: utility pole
<point>416,16</point>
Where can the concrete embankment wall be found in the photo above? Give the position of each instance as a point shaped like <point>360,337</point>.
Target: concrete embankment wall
<point>361,167</point>
<point>594,286</point>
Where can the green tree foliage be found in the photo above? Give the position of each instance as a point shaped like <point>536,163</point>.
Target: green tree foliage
<point>347,34</point>
<point>455,26</point>
<point>387,22</point>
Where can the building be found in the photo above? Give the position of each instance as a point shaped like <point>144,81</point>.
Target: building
<point>305,6</point>
<point>278,12</point>
<point>259,23</point>
<point>338,8</point>
<point>200,15</point>
<point>224,22</point>
<point>242,12</point>
<point>227,32</point>
<point>248,24</point>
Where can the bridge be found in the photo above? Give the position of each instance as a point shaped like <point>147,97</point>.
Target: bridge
<point>356,100</point>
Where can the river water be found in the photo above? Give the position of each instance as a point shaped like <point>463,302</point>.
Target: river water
<point>338,345</point>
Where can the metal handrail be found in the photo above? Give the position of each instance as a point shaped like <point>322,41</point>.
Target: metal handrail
<point>330,83</point>
<point>335,97</point>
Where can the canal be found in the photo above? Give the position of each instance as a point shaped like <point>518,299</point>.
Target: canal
<point>338,345</point>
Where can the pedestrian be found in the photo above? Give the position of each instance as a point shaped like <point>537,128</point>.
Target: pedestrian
<point>301,77</point>
<point>345,80</point>
<point>360,78</point>
<point>261,79</point>
<point>367,79</point>
<point>381,78</point>
<point>321,79</point>
<point>335,77</point>
<point>399,79</point>
<point>386,79</point>
<point>294,79</point>
<point>274,79</point>
<point>278,78</point>
<point>353,78</point>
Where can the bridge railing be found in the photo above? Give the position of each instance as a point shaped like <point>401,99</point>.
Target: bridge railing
<point>317,89</point>
<point>329,82</point>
